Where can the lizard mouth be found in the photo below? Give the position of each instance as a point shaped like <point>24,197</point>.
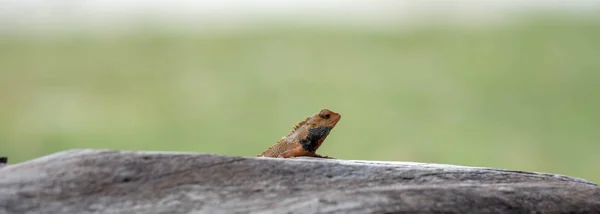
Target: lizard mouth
<point>335,119</point>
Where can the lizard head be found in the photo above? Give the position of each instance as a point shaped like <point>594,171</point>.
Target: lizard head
<point>324,118</point>
<point>318,127</point>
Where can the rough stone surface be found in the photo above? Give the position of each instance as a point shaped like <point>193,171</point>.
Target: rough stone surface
<point>104,181</point>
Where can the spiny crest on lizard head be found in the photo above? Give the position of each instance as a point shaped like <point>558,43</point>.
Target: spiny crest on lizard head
<point>299,124</point>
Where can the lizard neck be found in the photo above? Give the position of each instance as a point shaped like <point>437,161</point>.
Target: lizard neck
<point>314,138</point>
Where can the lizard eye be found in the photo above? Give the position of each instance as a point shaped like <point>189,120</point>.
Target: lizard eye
<point>326,116</point>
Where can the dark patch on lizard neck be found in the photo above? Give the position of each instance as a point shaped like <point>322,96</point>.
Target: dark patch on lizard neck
<point>310,143</point>
<point>3,159</point>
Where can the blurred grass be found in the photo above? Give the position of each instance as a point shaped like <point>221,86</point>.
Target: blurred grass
<point>522,96</point>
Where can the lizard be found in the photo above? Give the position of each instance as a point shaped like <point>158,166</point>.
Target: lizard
<point>306,136</point>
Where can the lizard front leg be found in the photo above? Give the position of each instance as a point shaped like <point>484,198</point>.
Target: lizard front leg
<point>319,156</point>
<point>295,152</point>
<point>299,151</point>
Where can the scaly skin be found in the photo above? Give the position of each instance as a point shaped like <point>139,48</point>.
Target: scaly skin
<point>306,136</point>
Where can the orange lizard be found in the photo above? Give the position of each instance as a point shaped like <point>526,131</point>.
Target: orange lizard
<point>306,136</point>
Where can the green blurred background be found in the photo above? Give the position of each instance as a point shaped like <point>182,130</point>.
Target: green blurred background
<point>522,95</point>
